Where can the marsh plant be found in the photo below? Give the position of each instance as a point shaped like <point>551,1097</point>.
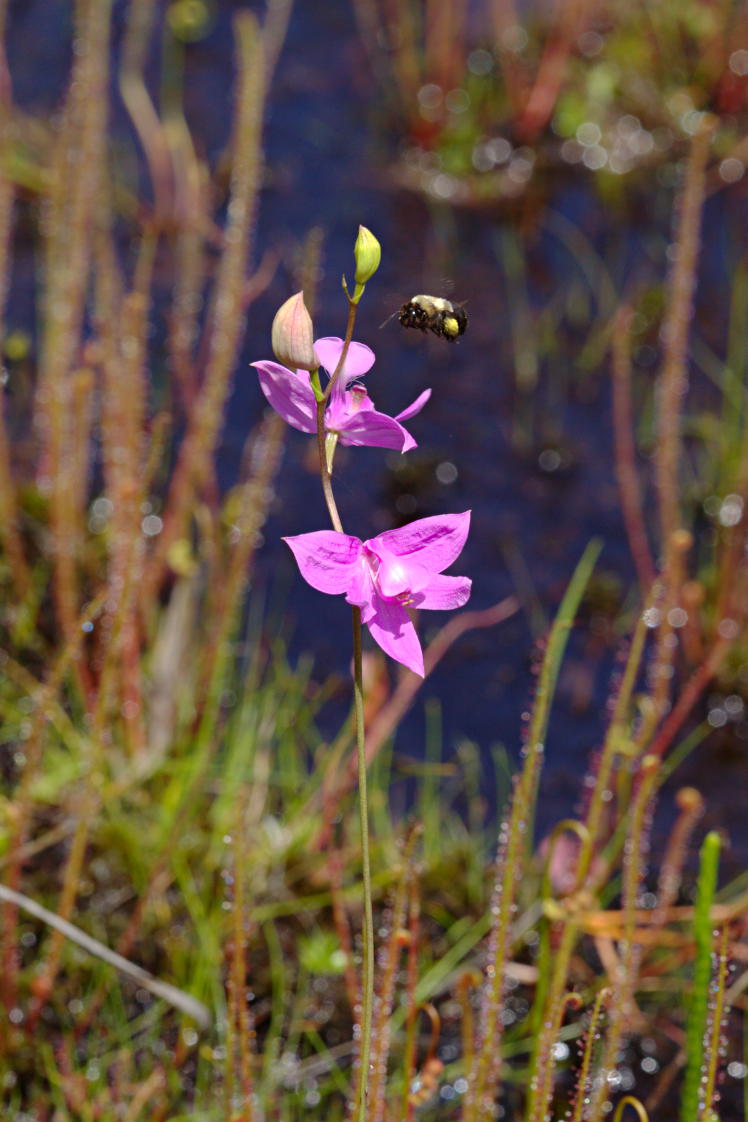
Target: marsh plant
<point>383,578</point>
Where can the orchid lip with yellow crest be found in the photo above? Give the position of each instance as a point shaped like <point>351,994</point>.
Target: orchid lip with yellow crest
<point>292,335</point>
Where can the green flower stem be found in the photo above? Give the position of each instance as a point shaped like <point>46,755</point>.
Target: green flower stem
<point>692,1103</point>
<point>367,996</point>
<point>363,803</point>
<point>324,471</point>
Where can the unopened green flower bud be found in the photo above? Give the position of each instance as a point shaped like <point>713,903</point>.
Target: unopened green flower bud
<point>368,253</point>
<point>292,335</point>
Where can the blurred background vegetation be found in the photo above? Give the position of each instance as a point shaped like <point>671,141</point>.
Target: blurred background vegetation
<point>179,899</point>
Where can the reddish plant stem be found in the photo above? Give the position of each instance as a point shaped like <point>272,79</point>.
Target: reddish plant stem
<point>673,379</point>
<point>625,453</point>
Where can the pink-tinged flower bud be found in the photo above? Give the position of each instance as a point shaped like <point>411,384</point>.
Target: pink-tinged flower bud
<point>368,253</point>
<point>292,335</point>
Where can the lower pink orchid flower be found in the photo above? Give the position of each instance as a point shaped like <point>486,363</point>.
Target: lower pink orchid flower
<point>398,569</point>
<point>350,412</point>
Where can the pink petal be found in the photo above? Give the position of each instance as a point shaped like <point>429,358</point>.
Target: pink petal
<point>398,575</point>
<point>327,560</point>
<point>289,393</point>
<point>443,593</point>
<point>375,430</point>
<point>360,591</point>
<point>415,406</point>
<point>433,543</point>
<point>345,404</point>
<point>358,361</point>
<point>392,629</point>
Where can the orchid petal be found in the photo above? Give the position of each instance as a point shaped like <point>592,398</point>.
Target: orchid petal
<point>433,542</point>
<point>443,593</point>
<point>398,575</point>
<point>392,629</point>
<point>289,393</point>
<point>375,430</point>
<point>327,560</point>
<point>415,406</point>
<point>358,361</point>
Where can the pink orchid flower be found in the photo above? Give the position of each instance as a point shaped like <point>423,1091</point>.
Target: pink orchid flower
<point>350,412</point>
<point>385,574</point>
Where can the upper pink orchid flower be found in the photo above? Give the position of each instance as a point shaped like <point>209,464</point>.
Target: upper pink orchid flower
<point>398,569</point>
<point>350,412</point>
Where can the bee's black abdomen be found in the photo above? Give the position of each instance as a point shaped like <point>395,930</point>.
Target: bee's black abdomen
<point>461,317</point>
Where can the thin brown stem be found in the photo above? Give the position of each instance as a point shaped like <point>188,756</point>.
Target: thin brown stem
<point>673,380</point>
<point>625,453</point>
<point>352,309</point>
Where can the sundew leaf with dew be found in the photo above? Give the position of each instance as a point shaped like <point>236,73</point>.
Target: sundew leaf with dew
<point>702,973</point>
<point>518,829</point>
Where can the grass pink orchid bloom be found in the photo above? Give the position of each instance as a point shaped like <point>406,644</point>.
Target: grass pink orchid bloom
<point>384,575</point>
<point>350,412</point>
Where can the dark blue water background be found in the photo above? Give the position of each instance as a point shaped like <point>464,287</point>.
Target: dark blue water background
<point>327,166</point>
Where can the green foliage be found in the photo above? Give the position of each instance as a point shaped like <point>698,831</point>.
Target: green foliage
<point>697,1058</point>
<point>166,786</point>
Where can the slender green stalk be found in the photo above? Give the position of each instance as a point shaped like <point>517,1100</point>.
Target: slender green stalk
<point>367,1001</point>
<point>324,471</point>
<point>692,1104</point>
<point>367,997</point>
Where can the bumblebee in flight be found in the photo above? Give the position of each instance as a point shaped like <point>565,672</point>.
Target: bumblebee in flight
<point>435,314</point>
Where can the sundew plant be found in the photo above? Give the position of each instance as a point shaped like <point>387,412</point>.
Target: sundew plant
<point>212,908</point>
